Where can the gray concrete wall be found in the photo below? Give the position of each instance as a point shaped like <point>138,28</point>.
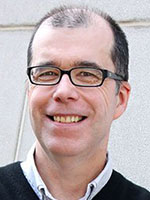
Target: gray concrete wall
<point>130,135</point>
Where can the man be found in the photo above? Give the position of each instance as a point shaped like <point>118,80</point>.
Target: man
<point>78,84</point>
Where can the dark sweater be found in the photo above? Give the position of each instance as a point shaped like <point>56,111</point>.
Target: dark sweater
<point>14,186</point>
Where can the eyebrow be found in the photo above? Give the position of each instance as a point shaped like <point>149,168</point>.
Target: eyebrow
<point>75,64</point>
<point>88,64</point>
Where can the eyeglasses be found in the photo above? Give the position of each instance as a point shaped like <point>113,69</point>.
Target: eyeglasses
<point>86,76</point>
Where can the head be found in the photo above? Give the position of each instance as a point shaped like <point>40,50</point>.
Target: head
<point>67,119</point>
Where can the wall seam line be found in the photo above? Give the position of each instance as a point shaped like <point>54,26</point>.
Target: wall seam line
<point>23,27</point>
<point>21,128</point>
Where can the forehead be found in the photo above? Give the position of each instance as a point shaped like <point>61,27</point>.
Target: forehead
<point>74,43</point>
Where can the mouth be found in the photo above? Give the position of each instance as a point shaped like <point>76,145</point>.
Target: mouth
<point>67,119</point>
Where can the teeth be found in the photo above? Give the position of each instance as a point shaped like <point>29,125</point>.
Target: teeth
<point>62,119</point>
<point>72,119</point>
<point>57,118</point>
<point>76,119</point>
<point>67,119</point>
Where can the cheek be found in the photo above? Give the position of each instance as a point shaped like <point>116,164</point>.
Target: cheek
<point>38,97</point>
<point>103,103</point>
<point>101,99</point>
<point>107,98</point>
<point>38,100</point>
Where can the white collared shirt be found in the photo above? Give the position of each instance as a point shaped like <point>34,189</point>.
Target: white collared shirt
<point>31,173</point>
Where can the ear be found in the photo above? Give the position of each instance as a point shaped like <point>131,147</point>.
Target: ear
<point>122,99</point>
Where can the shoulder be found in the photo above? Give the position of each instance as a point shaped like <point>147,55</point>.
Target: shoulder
<point>120,188</point>
<point>130,189</point>
<point>10,170</point>
<point>13,184</point>
<point>10,174</point>
<point>9,180</point>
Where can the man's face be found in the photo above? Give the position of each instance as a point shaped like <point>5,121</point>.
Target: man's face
<point>95,108</point>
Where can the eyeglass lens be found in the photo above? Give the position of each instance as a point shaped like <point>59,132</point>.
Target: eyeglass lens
<point>79,76</point>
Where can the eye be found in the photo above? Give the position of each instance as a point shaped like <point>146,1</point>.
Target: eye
<point>84,74</point>
<point>49,73</point>
<point>89,74</point>
<point>45,74</point>
<point>48,76</point>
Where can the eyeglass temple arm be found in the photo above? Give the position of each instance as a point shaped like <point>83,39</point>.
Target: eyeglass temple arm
<point>114,76</point>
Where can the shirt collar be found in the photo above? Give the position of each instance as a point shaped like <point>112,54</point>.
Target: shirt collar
<point>31,173</point>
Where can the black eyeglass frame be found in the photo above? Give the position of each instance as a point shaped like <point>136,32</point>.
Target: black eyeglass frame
<point>105,73</point>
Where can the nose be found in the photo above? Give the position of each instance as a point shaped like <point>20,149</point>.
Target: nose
<point>65,91</point>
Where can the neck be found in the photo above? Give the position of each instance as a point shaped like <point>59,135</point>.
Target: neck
<point>67,177</point>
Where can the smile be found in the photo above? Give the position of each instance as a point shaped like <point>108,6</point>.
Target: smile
<point>67,119</point>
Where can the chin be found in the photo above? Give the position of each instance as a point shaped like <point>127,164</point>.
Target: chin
<point>63,149</point>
